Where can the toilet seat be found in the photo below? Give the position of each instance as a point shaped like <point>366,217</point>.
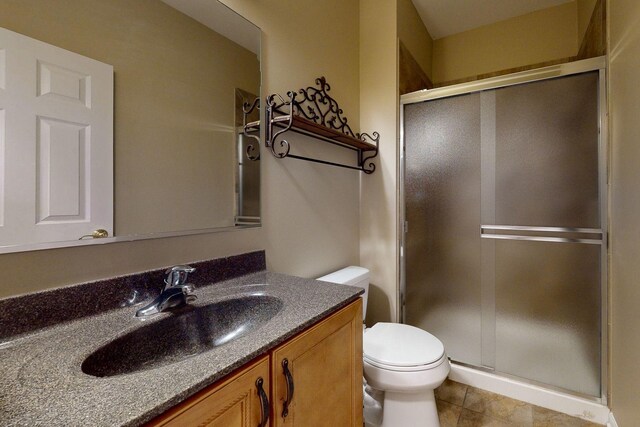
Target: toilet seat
<point>406,381</point>
<point>405,368</point>
<point>403,348</point>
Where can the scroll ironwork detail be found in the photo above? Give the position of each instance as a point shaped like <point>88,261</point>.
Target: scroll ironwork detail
<point>251,130</point>
<point>313,112</point>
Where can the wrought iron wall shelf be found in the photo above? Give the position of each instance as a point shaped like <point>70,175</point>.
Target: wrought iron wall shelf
<point>313,112</point>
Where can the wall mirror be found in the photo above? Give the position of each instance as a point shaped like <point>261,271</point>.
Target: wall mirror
<point>177,73</point>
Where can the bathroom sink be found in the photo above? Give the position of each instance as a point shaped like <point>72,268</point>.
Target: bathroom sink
<point>186,332</point>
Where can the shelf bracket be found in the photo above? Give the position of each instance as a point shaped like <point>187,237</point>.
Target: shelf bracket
<point>251,129</point>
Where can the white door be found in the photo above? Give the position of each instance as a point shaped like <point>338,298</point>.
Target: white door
<point>56,143</point>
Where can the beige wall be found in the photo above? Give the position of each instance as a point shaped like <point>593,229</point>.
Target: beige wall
<point>415,36</point>
<point>624,93</point>
<point>378,111</point>
<point>310,212</point>
<point>585,10</point>
<point>175,83</point>
<point>540,36</point>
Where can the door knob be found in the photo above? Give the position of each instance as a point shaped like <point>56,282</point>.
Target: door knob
<point>96,234</point>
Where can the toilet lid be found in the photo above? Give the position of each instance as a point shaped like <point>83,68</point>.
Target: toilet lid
<point>395,344</point>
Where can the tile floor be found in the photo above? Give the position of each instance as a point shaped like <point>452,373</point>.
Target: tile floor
<point>460,405</point>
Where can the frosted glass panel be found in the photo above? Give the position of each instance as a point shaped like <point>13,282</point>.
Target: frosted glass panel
<point>548,313</point>
<point>521,300</point>
<point>442,187</point>
<point>547,153</point>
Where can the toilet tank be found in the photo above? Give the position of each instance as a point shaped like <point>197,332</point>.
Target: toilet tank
<point>353,276</point>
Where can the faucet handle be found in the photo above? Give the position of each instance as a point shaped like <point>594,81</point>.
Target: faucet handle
<point>177,275</point>
<point>188,290</point>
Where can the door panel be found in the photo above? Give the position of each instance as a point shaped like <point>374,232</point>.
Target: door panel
<point>548,293</point>
<point>547,153</point>
<point>442,196</point>
<point>56,137</point>
<point>63,84</point>
<point>62,169</point>
<point>548,313</point>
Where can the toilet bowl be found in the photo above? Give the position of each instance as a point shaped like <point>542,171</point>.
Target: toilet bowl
<point>408,364</point>
<point>404,362</point>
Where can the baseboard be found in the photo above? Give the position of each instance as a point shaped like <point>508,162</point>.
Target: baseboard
<point>612,421</point>
<point>535,395</point>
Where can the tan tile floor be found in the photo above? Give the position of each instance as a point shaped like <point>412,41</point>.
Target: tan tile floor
<point>460,405</point>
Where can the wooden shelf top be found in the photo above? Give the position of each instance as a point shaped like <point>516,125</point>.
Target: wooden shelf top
<point>311,127</point>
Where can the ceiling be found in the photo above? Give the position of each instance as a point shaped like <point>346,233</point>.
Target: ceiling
<point>222,20</point>
<point>446,17</point>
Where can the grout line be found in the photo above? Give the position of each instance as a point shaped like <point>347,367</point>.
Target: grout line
<point>466,390</point>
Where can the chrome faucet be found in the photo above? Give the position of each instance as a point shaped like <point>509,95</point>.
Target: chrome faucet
<point>176,291</point>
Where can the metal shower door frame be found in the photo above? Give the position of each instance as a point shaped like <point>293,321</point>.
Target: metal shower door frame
<point>545,73</point>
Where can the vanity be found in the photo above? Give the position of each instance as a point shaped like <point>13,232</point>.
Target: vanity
<point>306,356</point>
<point>327,362</point>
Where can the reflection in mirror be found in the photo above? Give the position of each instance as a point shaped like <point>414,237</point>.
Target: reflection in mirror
<point>160,152</point>
<point>248,146</point>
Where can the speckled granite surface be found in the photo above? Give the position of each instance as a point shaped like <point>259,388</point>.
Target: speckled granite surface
<point>28,313</point>
<point>43,384</point>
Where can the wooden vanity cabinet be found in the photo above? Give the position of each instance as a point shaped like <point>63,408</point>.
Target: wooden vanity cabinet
<point>324,365</point>
<point>233,402</point>
<point>323,378</point>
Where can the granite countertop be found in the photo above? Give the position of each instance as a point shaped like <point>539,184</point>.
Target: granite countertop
<point>42,382</point>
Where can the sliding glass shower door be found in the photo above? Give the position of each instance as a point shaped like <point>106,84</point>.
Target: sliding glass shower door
<point>504,242</point>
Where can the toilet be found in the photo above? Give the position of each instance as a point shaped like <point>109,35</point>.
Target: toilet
<point>404,362</point>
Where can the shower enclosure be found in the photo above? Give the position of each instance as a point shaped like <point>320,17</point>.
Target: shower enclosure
<point>504,251</point>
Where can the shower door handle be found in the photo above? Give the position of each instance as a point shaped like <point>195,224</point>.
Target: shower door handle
<point>541,229</point>
<point>486,232</point>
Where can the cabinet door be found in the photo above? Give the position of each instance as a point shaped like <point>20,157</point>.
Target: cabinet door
<point>234,402</point>
<point>324,365</point>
